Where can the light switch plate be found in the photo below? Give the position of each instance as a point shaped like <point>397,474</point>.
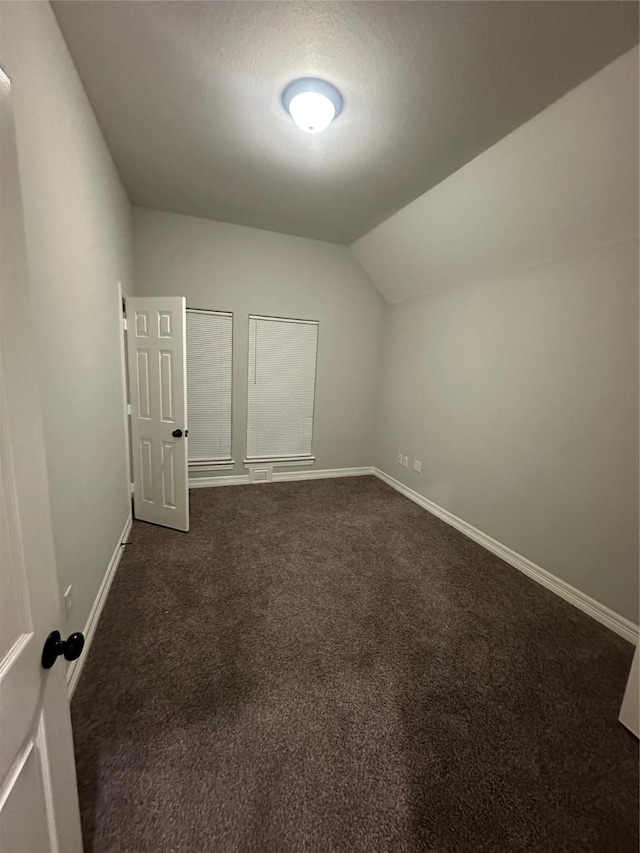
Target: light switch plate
<point>417,466</point>
<point>405,461</point>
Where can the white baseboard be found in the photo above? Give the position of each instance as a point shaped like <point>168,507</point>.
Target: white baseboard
<point>209,482</point>
<point>622,626</point>
<point>279,476</point>
<point>75,668</point>
<point>322,474</point>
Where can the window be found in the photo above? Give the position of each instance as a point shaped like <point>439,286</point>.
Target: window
<point>281,388</point>
<point>209,385</point>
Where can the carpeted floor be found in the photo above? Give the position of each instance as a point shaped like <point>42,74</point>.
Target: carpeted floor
<point>324,666</point>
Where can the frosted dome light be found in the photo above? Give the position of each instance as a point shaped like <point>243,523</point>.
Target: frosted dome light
<point>312,103</point>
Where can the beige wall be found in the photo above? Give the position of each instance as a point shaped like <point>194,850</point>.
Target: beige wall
<point>520,398</point>
<point>77,222</point>
<point>513,377</point>
<point>249,271</point>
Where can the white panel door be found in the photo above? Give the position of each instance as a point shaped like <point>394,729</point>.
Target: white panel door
<point>630,711</point>
<point>38,791</point>
<point>156,353</point>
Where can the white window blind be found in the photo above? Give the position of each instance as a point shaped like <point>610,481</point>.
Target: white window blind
<point>209,385</point>
<point>281,387</point>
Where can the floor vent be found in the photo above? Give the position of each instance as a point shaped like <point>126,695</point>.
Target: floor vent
<point>261,475</point>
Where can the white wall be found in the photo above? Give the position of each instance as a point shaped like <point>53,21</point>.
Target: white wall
<point>515,382</point>
<point>249,271</point>
<point>78,229</point>
<point>520,398</point>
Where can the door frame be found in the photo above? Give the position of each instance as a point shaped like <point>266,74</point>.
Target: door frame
<point>122,301</point>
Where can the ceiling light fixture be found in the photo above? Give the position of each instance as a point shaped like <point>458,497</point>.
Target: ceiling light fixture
<point>312,103</point>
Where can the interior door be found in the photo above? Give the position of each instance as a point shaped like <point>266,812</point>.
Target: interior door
<point>156,354</point>
<point>38,793</point>
<point>630,710</point>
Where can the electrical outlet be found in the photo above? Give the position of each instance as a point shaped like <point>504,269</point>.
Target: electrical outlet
<point>405,461</point>
<point>399,458</point>
<point>417,466</point>
<point>68,601</point>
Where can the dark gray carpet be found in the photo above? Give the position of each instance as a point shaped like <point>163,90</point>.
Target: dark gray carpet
<point>323,666</point>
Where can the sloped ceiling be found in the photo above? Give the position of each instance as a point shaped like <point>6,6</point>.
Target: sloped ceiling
<point>188,97</point>
<point>564,182</point>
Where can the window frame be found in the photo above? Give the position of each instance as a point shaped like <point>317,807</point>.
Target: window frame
<point>282,461</point>
<point>228,463</point>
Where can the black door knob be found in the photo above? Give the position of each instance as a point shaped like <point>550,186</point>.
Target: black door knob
<point>54,646</point>
<point>177,433</point>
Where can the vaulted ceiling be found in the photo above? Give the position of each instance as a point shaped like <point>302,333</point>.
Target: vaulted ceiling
<point>188,97</point>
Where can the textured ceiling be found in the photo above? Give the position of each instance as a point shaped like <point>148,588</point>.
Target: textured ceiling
<point>188,97</point>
